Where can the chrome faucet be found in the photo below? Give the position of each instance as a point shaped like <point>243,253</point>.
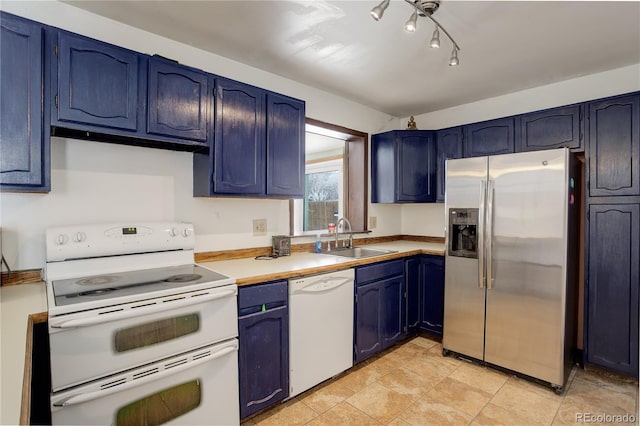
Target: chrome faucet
<point>345,243</point>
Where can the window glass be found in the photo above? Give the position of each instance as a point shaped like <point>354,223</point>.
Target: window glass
<point>162,406</point>
<point>154,332</point>
<point>324,180</point>
<point>336,159</point>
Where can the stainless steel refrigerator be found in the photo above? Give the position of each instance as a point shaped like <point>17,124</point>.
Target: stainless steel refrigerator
<point>510,267</point>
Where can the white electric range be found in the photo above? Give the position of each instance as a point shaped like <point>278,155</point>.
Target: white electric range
<point>136,329</point>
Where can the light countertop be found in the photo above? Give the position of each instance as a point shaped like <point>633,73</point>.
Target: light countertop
<point>252,271</point>
<point>17,302</point>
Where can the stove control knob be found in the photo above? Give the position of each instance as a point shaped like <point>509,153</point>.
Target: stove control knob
<point>186,232</point>
<point>62,239</point>
<point>173,232</point>
<point>79,237</point>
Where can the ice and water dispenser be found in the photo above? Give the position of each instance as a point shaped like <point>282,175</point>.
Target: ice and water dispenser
<point>463,227</point>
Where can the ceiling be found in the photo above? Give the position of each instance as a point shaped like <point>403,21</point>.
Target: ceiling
<point>336,46</point>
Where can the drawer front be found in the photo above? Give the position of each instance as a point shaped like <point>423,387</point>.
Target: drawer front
<point>378,271</point>
<point>262,294</point>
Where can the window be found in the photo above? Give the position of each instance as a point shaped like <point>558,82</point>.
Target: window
<point>335,179</point>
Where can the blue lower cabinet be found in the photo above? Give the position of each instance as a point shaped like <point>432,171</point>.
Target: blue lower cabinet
<point>263,328</point>
<point>612,290</point>
<point>368,333</point>
<point>432,294</point>
<point>412,273</point>
<point>380,311</point>
<point>393,310</point>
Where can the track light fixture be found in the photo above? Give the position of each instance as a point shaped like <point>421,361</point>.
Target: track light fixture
<point>410,26</point>
<point>378,11</point>
<point>435,38</point>
<point>453,61</point>
<point>425,9</point>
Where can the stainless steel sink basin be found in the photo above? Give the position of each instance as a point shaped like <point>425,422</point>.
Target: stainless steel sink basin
<point>357,252</point>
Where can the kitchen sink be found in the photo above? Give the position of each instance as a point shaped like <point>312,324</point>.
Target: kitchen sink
<point>357,252</point>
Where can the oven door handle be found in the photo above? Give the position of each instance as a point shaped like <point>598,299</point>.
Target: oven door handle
<point>170,303</point>
<point>89,396</point>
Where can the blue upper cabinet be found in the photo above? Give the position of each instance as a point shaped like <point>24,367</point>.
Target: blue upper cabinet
<point>239,139</point>
<point>97,84</point>
<point>448,145</point>
<point>489,137</point>
<point>403,167</point>
<point>258,145</point>
<point>178,101</point>
<point>24,145</point>
<point>285,146</point>
<point>553,128</point>
<point>614,146</point>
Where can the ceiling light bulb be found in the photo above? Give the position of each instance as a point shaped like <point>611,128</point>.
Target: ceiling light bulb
<point>410,26</point>
<point>435,39</point>
<point>378,11</point>
<point>454,58</point>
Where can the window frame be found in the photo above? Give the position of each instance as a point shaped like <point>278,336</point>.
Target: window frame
<point>355,177</point>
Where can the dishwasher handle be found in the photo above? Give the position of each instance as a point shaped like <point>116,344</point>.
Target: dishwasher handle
<point>322,285</point>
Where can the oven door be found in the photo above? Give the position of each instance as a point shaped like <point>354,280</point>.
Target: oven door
<point>190,389</point>
<point>88,345</point>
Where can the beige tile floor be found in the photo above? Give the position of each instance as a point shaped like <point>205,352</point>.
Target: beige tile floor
<point>413,384</point>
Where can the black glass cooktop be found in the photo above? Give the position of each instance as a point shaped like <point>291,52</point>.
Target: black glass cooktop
<point>142,282</point>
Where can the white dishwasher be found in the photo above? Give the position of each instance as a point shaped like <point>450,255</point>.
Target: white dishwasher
<point>320,328</point>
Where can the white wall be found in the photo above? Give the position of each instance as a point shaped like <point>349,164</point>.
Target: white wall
<point>429,219</point>
<point>95,182</point>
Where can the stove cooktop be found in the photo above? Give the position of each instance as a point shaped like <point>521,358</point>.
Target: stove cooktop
<point>139,283</point>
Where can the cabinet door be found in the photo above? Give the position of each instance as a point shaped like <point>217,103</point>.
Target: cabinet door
<point>612,287</point>
<point>448,145</point>
<point>239,141</point>
<point>23,145</point>
<point>393,310</point>
<point>489,138</point>
<point>97,83</point>
<point>614,143</point>
<point>415,167</point>
<point>263,359</point>
<point>178,100</point>
<point>285,146</point>
<point>412,281</point>
<point>432,294</point>
<point>554,128</point>
<point>383,168</point>
<point>368,324</point>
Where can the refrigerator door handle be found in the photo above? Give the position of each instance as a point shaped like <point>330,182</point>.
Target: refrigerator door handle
<point>489,230</point>
<point>480,236</point>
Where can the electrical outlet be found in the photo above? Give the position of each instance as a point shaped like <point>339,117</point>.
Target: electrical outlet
<point>373,222</point>
<point>259,227</point>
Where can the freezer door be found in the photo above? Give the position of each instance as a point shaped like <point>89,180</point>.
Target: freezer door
<point>464,295</point>
<point>526,266</point>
